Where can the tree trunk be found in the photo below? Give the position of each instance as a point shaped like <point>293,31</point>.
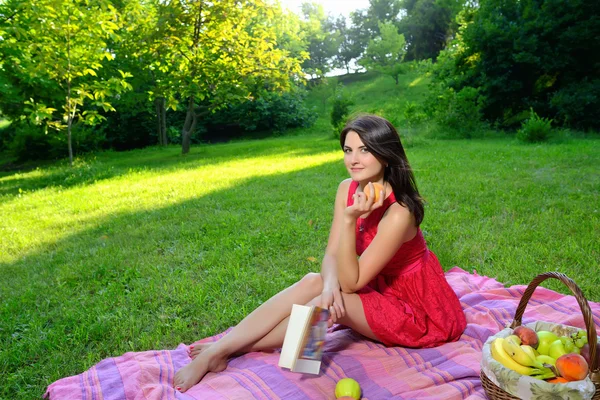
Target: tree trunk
<point>188,127</point>
<point>158,121</point>
<point>69,124</point>
<point>163,121</point>
<point>396,79</point>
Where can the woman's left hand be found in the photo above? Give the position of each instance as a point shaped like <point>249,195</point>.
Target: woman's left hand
<point>362,205</point>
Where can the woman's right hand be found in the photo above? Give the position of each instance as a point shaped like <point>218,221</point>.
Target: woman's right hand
<point>332,300</point>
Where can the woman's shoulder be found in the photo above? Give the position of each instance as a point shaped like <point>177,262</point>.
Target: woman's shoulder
<point>344,185</point>
<point>397,215</point>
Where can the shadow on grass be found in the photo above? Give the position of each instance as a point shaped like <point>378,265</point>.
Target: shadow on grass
<point>92,168</point>
<point>153,279</point>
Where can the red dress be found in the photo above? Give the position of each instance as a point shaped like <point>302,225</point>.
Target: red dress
<point>409,303</point>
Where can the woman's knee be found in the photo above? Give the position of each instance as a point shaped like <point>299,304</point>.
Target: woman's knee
<point>312,281</point>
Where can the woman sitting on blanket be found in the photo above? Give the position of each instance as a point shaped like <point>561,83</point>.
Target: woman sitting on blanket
<point>377,276</point>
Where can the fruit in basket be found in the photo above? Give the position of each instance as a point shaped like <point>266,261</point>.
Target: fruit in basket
<point>500,355</point>
<point>585,352</point>
<point>557,349</point>
<point>572,367</point>
<point>569,344</point>
<point>512,346</point>
<point>579,338</point>
<point>558,379</point>
<point>544,359</point>
<point>530,350</point>
<point>545,339</point>
<point>527,335</point>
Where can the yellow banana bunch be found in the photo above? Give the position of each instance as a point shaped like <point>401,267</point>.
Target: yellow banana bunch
<point>512,346</point>
<point>530,350</point>
<point>500,355</point>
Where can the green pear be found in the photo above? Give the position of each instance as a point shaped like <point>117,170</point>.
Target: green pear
<point>557,349</point>
<point>546,338</point>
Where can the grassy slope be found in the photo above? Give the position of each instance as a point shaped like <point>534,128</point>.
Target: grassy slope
<point>147,249</point>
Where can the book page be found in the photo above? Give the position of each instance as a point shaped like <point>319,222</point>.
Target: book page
<point>312,346</point>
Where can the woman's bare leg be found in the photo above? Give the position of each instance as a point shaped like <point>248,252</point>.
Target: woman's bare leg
<point>354,318</point>
<point>249,332</point>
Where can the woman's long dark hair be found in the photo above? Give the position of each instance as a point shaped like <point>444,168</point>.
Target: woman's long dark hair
<point>382,140</point>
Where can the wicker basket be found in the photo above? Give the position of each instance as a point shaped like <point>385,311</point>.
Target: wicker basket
<point>494,392</point>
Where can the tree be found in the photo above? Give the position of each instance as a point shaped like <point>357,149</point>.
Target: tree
<point>322,40</point>
<point>386,52</point>
<point>381,12</point>
<point>428,26</point>
<point>349,44</point>
<point>529,54</point>
<point>223,53</point>
<point>52,55</point>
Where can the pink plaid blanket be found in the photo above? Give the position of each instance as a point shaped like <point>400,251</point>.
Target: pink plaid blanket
<point>450,371</point>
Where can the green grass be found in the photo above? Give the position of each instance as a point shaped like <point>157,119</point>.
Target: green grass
<point>147,249</point>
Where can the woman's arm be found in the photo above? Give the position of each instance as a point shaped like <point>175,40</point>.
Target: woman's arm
<point>331,295</point>
<point>396,227</point>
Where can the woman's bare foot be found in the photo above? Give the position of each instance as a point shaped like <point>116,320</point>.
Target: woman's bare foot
<point>198,348</point>
<point>206,361</point>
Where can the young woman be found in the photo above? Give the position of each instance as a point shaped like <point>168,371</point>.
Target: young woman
<point>377,276</point>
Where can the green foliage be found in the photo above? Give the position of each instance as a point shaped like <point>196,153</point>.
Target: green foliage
<point>458,113</point>
<point>535,129</point>
<point>323,40</point>
<point>413,113</point>
<point>231,52</point>
<point>577,105</point>
<point>523,53</point>
<point>54,52</point>
<point>386,52</point>
<point>428,25</point>
<point>33,142</point>
<point>340,110</point>
<point>274,112</point>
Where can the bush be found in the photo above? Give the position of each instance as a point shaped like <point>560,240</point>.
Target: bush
<point>340,110</point>
<point>31,142</point>
<point>535,129</point>
<point>459,112</point>
<point>578,105</point>
<point>413,114</point>
<point>129,128</point>
<point>275,112</point>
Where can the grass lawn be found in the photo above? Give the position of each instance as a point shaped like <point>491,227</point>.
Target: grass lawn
<point>147,249</point>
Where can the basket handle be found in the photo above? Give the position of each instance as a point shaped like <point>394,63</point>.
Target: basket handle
<point>585,309</point>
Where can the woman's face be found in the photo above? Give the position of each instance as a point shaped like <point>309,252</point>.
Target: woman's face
<point>362,166</point>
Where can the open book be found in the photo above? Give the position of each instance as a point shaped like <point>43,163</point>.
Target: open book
<point>304,339</point>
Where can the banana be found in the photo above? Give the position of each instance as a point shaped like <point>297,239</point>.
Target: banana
<point>529,350</point>
<point>546,359</point>
<point>512,346</point>
<point>500,355</point>
<point>544,374</point>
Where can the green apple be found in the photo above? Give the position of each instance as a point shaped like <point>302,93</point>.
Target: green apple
<point>546,338</point>
<point>557,349</point>
<point>347,387</point>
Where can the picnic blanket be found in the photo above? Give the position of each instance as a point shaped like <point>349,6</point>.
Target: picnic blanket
<point>450,371</point>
